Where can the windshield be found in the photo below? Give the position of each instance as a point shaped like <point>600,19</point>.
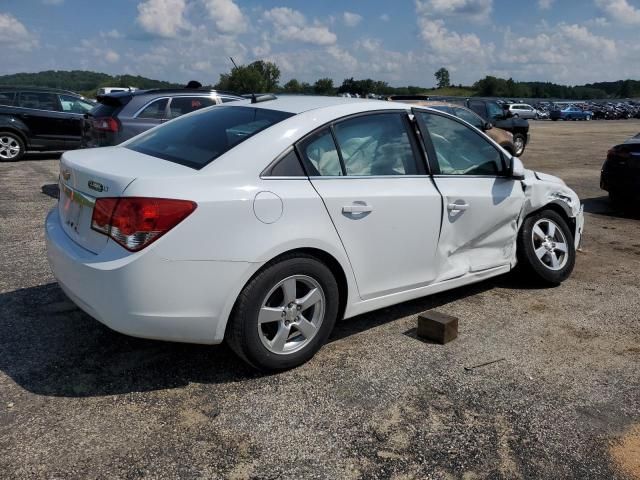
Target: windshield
<point>196,140</point>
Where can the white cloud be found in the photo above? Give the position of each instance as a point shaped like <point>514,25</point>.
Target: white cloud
<point>473,9</point>
<point>385,17</point>
<point>545,4</point>
<point>620,11</point>
<point>164,18</point>
<point>227,16</point>
<point>111,56</point>
<point>114,34</point>
<point>292,25</point>
<point>14,34</point>
<point>351,19</point>
<point>449,44</point>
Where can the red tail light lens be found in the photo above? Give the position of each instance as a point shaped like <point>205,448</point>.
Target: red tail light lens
<point>135,222</point>
<point>106,124</point>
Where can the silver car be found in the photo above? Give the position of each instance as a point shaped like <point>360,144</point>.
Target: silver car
<point>522,110</point>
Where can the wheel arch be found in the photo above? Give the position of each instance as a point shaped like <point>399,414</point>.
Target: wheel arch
<point>323,256</point>
<point>16,131</point>
<point>561,209</point>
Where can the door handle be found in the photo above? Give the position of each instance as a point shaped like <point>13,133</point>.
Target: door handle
<point>457,207</point>
<point>357,208</point>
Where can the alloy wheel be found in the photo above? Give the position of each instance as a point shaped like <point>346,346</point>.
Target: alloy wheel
<point>9,147</point>
<point>291,314</point>
<point>550,244</point>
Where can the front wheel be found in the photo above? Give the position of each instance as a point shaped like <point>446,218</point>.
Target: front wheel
<point>588,118</point>
<point>545,247</point>
<point>519,143</point>
<point>284,314</point>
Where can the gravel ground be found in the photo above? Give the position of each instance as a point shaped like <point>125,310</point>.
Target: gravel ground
<point>80,401</point>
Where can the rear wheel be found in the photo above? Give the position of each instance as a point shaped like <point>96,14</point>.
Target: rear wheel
<point>284,314</point>
<point>12,147</point>
<point>588,118</point>
<point>545,247</point>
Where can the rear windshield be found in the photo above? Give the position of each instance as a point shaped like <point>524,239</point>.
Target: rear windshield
<point>196,140</point>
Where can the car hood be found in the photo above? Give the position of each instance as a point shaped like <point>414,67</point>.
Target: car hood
<point>542,189</point>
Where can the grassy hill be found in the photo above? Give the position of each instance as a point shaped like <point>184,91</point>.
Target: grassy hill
<point>84,82</point>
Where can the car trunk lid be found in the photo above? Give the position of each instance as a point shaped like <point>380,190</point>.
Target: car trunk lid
<point>87,175</point>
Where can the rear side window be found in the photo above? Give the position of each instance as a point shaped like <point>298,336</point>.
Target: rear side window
<point>320,154</point>
<point>197,140</point>
<point>6,98</point>
<point>181,105</point>
<point>373,145</point>
<point>155,110</point>
<point>39,101</point>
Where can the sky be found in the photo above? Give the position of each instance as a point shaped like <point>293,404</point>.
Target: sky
<point>402,42</point>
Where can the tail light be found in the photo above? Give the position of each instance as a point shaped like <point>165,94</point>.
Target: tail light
<point>106,124</point>
<point>135,222</point>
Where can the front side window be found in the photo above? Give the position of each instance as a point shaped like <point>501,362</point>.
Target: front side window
<point>181,105</point>
<point>72,104</point>
<point>320,154</point>
<point>494,110</point>
<point>156,110</point>
<point>196,140</point>
<point>459,149</point>
<point>39,101</point>
<point>376,145</point>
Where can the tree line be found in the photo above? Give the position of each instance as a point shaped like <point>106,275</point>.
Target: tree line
<point>263,76</point>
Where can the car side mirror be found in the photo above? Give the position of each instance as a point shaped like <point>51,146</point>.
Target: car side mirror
<point>516,168</point>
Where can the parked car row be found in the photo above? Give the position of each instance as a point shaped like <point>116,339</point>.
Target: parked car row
<point>589,110</point>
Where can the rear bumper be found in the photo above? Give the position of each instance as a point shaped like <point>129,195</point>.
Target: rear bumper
<point>143,294</point>
<point>623,181</point>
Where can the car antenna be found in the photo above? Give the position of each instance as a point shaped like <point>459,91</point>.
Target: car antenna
<point>241,81</point>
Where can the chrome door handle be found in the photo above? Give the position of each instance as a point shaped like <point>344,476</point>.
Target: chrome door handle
<point>357,208</point>
<point>457,207</point>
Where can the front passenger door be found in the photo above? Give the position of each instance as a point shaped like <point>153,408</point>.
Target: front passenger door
<point>481,202</point>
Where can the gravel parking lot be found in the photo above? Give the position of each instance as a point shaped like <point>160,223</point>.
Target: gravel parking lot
<point>80,401</point>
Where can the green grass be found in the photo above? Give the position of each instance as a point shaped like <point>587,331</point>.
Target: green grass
<point>450,92</point>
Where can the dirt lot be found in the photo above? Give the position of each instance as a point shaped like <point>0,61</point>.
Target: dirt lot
<point>80,401</point>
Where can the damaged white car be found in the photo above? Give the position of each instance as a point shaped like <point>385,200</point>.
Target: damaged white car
<point>264,221</point>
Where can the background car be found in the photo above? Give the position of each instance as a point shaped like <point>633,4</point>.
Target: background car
<point>493,112</point>
<point>620,174</point>
<point>39,119</point>
<point>264,222</point>
<point>501,137</point>
<point>522,110</point>
<point>123,115</point>
<point>571,113</point>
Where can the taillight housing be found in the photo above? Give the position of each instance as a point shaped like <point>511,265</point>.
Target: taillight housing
<point>106,124</point>
<point>136,222</point>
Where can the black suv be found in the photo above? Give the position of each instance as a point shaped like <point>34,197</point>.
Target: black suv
<point>39,119</point>
<point>494,113</point>
<point>120,116</point>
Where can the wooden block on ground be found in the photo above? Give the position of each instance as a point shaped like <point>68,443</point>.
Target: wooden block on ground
<point>437,327</point>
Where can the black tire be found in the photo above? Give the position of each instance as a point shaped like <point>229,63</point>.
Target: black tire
<point>242,332</point>
<point>523,139</point>
<point>14,140</point>
<point>536,268</point>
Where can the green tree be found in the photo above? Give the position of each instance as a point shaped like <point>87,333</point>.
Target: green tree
<point>442,78</point>
<point>292,86</point>
<point>324,86</point>
<point>257,77</point>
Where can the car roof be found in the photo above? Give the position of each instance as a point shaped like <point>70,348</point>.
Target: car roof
<point>170,91</point>
<point>38,89</point>
<point>296,104</point>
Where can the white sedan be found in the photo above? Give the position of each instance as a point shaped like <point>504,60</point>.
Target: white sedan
<point>264,221</point>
